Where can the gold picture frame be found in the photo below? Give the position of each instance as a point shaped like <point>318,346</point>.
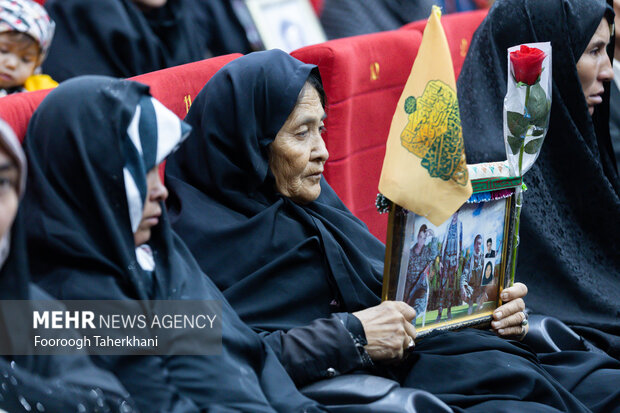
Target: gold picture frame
<point>453,274</point>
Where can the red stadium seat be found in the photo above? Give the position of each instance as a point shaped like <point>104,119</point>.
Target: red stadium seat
<point>363,78</point>
<point>17,109</point>
<point>459,28</point>
<point>175,87</point>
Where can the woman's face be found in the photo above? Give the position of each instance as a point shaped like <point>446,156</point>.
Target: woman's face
<point>156,193</point>
<point>487,272</point>
<point>594,66</point>
<point>9,177</point>
<point>298,153</point>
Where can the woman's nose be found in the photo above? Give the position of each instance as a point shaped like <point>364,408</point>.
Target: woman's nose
<point>606,73</point>
<point>319,151</point>
<point>160,192</point>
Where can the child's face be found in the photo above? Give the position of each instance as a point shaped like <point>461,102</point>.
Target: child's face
<point>18,60</point>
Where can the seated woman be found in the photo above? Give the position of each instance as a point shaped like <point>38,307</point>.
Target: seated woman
<point>248,198</point>
<point>38,383</point>
<point>569,253</point>
<point>122,38</point>
<point>98,229</point>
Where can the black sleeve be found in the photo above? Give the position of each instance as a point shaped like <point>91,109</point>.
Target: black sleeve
<point>322,349</point>
<point>73,384</point>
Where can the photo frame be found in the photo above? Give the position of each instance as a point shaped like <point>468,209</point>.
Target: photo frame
<point>453,274</point>
<point>285,24</point>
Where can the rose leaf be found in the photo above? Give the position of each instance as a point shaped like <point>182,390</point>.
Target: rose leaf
<point>515,143</point>
<point>533,146</point>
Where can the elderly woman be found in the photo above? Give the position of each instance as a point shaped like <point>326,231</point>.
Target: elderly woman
<point>97,226</point>
<point>45,383</point>
<point>569,253</point>
<point>248,197</point>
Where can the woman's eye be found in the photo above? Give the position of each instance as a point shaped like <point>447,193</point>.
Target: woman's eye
<point>6,184</point>
<point>594,51</point>
<point>322,129</point>
<point>302,133</point>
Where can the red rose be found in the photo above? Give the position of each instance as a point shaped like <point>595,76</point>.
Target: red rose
<point>527,64</point>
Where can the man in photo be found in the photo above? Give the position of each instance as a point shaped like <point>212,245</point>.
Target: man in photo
<point>421,256</point>
<point>451,251</point>
<point>490,251</point>
<point>471,278</point>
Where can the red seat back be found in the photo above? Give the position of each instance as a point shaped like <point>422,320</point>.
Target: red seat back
<point>17,109</point>
<point>363,78</point>
<point>175,87</point>
<point>459,28</point>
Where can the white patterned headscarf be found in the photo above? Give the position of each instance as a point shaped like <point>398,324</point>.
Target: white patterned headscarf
<point>153,133</point>
<point>28,17</point>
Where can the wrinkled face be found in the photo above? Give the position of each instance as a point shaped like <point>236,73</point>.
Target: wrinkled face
<point>150,4</point>
<point>156,194</point>
<point>594,67</point>
<point>298,153</point>
<point>18,60</point>
<point>477,244</point>
<point>9,176</point>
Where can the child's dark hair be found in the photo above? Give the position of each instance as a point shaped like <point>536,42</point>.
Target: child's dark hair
<point>23,39</point>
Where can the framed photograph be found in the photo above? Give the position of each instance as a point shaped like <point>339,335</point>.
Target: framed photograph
<point>452,274</point>
<point>286,24</point>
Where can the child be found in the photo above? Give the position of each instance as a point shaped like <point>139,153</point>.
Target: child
<point>26,32</point>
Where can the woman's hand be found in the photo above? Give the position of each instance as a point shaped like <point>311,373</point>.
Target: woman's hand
<point>388,329</point>
<point>509,317</point>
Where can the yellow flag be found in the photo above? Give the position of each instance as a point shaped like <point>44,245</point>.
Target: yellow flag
<point>424,169</point>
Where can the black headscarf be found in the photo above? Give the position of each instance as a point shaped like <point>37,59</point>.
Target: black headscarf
<point>224,204</point>
<point>81,234</point>
<point>45,383</point>
<point>281,264</point>
<point>343,18</point>
<point>569,253</point>
<point>115,38</point>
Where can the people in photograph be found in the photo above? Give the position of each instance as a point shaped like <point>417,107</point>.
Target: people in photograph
<point>488,274</point>
<point>568,249</point>
<point>471,277</point>
<point>248,197</point>
<point>421,257</point>
<point>451,249</point>
<point>57,384</point>
<point>490,252</point>
<point>98,230</point>
<point>26,32</point>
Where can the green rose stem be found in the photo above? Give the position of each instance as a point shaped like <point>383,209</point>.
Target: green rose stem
<point>519,202</point>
